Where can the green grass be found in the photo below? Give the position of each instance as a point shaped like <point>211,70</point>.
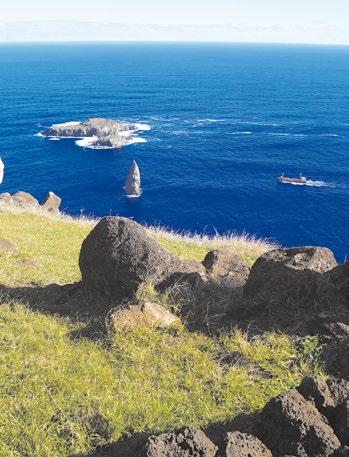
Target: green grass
<point>61,395</point>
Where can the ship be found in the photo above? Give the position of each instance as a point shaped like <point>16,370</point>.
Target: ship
<point>302,180</point>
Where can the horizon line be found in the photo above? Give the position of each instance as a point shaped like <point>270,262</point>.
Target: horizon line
<point>292,43</point>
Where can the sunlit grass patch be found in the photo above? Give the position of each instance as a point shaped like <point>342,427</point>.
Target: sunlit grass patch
<point>60,396</point>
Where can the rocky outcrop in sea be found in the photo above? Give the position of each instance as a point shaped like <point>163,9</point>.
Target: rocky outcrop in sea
<point>97,133</point>
<point>133,181</point>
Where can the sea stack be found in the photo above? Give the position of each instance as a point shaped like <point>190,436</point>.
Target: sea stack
<point>2,167</point>
<point>133,181</point>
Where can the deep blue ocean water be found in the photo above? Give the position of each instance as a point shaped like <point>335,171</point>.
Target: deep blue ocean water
<point>226,120</point>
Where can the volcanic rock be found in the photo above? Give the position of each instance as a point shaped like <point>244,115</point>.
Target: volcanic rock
<point>189,442</point>
<point>291,425</point>
<point>243,445</point>
<point>225,264</point>
<point>118,256</point>
<point>340,278</point>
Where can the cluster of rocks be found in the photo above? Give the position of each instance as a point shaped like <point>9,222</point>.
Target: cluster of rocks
<point>25,200</point>
<point>118,257</point>
<point>310,421</point>
<point>103,133</point>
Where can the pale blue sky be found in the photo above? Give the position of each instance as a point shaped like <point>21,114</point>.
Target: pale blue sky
<point>298,21</point>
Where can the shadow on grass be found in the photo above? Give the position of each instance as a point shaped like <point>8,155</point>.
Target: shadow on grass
<point>135,446</point>
<point>70,301</point>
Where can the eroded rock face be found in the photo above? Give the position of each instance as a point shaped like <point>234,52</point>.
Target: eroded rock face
<point>243,445</point>
<point>147,315</point>
<point>224,264</point>
<point>290,425</point>
<point>118,256</point>
<point>189,442</point>
<point>51,202</point>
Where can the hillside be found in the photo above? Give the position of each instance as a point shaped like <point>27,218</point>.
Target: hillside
<point>70,384</point>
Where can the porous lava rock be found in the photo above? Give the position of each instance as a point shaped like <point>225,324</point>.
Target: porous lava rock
<point>243,445</point>
<point>224,264</point>
<point>118,256</point>
<point>290,425</point>
<point>283,267</point>
<point>339,276</point>
<point>189,442</point>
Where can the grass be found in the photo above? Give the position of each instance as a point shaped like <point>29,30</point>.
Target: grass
<point>49,246</point>
<point>61,395</point>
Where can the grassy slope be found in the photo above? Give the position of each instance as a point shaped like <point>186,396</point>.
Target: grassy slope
<point>60,395</point>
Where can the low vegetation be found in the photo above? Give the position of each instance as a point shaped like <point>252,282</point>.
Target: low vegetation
<point>63,394</point>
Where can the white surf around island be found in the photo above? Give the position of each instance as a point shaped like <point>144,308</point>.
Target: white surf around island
<point>110,134</point>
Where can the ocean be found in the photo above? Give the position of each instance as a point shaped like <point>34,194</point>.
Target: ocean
<point>225,120</point>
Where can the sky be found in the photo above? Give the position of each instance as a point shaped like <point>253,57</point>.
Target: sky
<point>281,21</point>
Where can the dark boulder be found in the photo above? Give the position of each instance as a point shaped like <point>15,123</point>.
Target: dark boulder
<point>291,425</point>
<point>339,276</point>
<point>336,358</point>
<point>331,327</point>
<point>243,445</point>
<point>330,398</point>
<point>118,256</point>
<point>282,268</point>
<point>290,280</point>
<point>189,442</point>
<point>224,264</point>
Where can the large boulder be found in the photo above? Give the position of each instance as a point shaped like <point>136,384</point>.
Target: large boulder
<point>290,425</point>
<point>339,276</point>
<point>189,442</point>
<point>118,256</point>
<point>331,327</point>
<point>224,264</point>
<point>284,267</point>
<point>292,280</point>
<point>147,315</point>
<point>330,398</point>
<point>243,445</point>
